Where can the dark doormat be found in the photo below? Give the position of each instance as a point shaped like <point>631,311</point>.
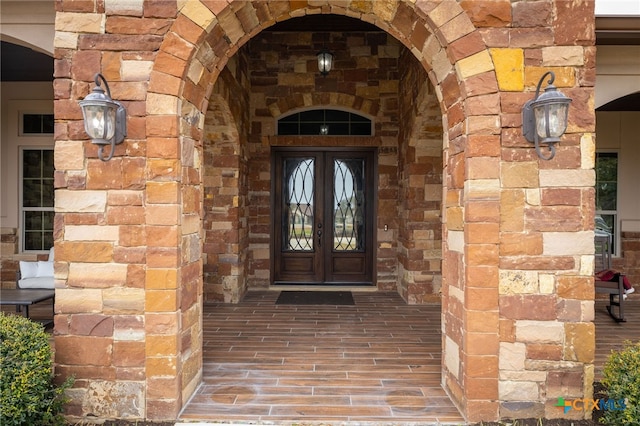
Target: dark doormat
<point>315,298</point>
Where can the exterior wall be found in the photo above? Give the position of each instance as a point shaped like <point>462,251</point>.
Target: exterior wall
<point>17,97</point>
<point>617,131</point>
<point>284,78</point>
<point>517,231</point>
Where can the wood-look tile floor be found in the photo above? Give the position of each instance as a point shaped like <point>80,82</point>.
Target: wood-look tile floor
<point>375,361</point>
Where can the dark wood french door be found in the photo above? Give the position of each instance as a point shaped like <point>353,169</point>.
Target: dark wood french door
<point>323,216</point>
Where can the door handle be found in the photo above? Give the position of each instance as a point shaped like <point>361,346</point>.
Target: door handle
<point>319,235</point>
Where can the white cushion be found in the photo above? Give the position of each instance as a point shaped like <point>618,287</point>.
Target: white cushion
<point>45,269</point>
<point>28,269</point>
<point>39,282</point>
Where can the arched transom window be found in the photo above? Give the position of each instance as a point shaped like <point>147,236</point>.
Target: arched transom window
<point>324,122</point>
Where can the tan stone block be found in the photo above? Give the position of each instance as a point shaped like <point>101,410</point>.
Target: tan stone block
<point>125,198</point>
<point>443,13</point>
<point>123,300</point>
<point>456,28</point>
<point>198,13</point>
<point>520,174</point>
<point>518,282</point>
<point>580,342</point>
<point>454,218</point>
<point>565,76</point>
<point>481,344</point>
<point>160,279</point>
<point>161,300</point>
<point>512,210</point>
<point>520,244</point>
<point>66,40</point>
<point>69,155</point>
<point>483,124</point>
<point>161,345</point>
<point>162,214</point>
<point>518,391</point>
<point>482,211</point>
<point>96,275</point>
<point>568,243</point>
<point>563,56</point>
<point>161,104</point>
<point>475,64</point>
<point>161,366</point>
<point>80,22</point>
<point>80,201</point>
<point>69,301</point>
<point>163,169</point>
<point>482,189</point>
<point>481,298</point>
<point>512,356</point>
<point>478,233</point>
<point>576,287</point>
<point>84,251</point>
<point>483,388</point>
<point>91,233</point>
<point>481,322</point>
<point>162,192</point>
<point>539,331</point>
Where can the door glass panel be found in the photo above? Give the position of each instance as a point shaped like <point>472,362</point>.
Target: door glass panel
<point>298,204</point>
<point>349,199</point>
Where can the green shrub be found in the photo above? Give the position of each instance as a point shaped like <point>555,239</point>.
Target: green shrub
<point>29,395</point>
<point>621,377</point>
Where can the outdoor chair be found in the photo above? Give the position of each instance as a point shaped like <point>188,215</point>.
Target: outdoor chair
<point>615,287</point>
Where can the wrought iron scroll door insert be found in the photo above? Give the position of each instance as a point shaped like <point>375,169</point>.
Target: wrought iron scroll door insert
<point>323,217</point>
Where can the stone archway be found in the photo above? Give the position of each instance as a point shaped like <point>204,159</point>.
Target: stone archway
<point>221,34</point>
<point>504,249</point>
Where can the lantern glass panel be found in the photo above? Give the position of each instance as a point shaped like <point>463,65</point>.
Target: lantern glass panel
<point>100,121</point>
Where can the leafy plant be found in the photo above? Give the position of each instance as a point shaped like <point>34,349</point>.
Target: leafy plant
<point>621,377</point>
<point>28,394</point>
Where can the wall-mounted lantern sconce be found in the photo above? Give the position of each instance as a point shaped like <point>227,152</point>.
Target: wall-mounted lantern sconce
<point>105,120</point>
<point>325,61</point>
<point>544,118</point>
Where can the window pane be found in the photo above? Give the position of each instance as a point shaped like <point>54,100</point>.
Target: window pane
<point>313,115</point>
<point>339,129</point>
<point>288,128</point>
<point>32,193</point>
<point>31,164</point>
<point>339,123</point>
<point>607,195</point>
<point>47,123</point>
<point>47,220</point>
<point>310,129</point>
<point>33,241</point>
<point>335,115</point>
<point>47,193</point>
<point>31,123</point>
<point>47,163</point>
<point>361,129</point>
<point>33,221</point>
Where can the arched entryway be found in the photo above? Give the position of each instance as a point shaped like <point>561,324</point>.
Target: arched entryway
<point>408,101</point>
<point>461,188</point>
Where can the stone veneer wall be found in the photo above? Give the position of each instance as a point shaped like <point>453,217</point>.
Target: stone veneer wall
<point>285,78</point>
<point>420,173</point>
<point>517,231</point>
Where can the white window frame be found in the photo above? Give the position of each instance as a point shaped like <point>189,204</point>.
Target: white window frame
<point>615,213</point>
<point>22,209</point>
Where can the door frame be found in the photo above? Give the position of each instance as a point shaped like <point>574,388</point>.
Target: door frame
<point>373,151</point>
